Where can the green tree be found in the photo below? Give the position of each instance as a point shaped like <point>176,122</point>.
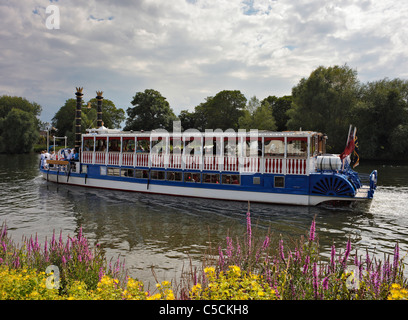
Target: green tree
<point>381,116</point>
<point>187,119</point>
<point>112,117</point>
<point>257,116</point>
<point>64,119</point>
<point>279,107</point>
<point>19,126</point>
<point>223,110</point>
<point>8,102</point>
<point>19,132</point>
<point>323,103</point>
<point>151,111</point>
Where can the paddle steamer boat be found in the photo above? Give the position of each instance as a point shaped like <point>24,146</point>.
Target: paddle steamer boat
<point>257,166</point>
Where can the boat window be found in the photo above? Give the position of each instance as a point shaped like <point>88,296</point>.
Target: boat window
<point>157,175</point>
<point>212,146</point>
<point>128,145</point>
<point>113,171</point>
<point>176,146</point>
<point>230,179</point>
<point>127,173</point>
<point>174,176</point>
<point>158,145</point>
<point>297,147</point>
<point>141,174</point>
<point>211,178</point>
<point>114,145</point>
<point>192,177</point>
<point>193,146</point>
<point>100,144</point>
<point>230,146</point>
<point>274,147</point>
<point>279,182</point>
<point>322,144</point>
<point>253,147</point>
<point>88,144</point>
<point>143,145</point>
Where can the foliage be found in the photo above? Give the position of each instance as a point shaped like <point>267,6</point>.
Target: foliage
<point>64,119</point>
<point>381,116</point>
<point>75,259</point>
<point>302,274</point>
<point>323,101</point>
<point>7,103</point>
<point>112,116</point>
<point>233,284</point>
<point>279,107</point>
<point>245,269</point>
<point>24,284</point>
<point>18,124</point>
<point>398,293</point>
<point>151,111</point>
<point>257,116</point>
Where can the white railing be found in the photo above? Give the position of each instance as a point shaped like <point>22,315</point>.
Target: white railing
<point>157,161</point>
<point>231,164</point>
<point>192,162</point>
<point>127,159</point>
<point>100,157</point>
<point>175,161</point>
<point>142,160</point>
<point>113,158</point>
<point>249,164</point>
<point>211,163</point>
<point>273,165</point>
<point>87,157</point>
<point>296,166</point>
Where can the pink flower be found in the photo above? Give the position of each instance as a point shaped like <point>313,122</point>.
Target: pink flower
<point>312,233</point>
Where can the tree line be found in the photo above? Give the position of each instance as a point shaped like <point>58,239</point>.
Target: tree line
<point>327,101</point>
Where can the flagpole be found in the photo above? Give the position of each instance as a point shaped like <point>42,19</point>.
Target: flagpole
<point>348,139</point>
<point>348,136</point>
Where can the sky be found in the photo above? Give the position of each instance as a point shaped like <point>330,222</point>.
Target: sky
<point>189,50</point>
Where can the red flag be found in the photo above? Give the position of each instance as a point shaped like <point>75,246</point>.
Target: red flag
<point>349,149</point>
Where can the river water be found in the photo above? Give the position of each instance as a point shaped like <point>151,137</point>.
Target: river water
<point>166,233</point>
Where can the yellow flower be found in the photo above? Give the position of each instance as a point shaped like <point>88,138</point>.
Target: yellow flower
<point>209,270</point>
<point>236,270</point>
<point>156,296</point>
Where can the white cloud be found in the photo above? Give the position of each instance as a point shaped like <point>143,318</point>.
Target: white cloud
<point>191,49</point>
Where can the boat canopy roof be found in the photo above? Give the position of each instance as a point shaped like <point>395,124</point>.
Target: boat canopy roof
<point>195,133</point>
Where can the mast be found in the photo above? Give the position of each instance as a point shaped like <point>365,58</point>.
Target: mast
<point>99,99</point>
<point>78,119</point>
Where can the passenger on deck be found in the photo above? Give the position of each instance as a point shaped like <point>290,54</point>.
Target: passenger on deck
<point>42,161</point>
<point>75,155</point>
<point>69,155</point>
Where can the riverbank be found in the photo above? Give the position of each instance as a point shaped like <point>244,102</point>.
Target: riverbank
<point>241,268</point>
